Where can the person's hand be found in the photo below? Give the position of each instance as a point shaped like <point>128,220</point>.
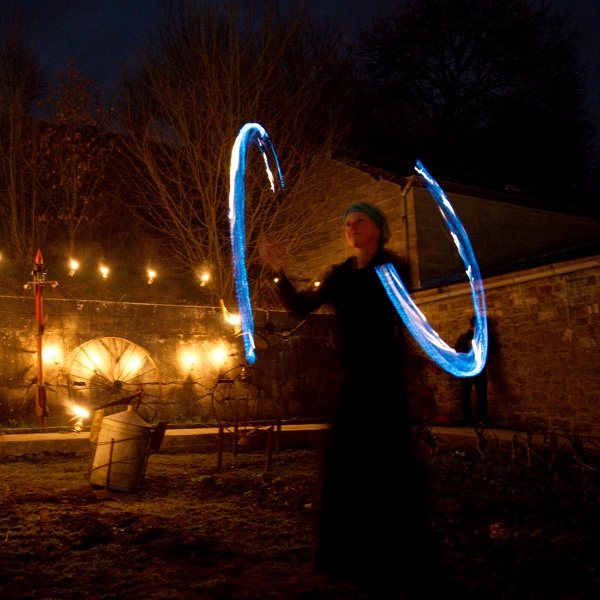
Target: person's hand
<point>271,254</point>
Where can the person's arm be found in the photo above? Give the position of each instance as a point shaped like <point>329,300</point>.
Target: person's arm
<point>298,304</point>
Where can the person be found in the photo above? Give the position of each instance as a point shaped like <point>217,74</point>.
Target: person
<point>479,381</point>
<point>374,526</point>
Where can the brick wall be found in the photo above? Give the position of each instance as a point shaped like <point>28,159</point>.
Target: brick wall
<point>546,320</point>
<point>180,342</point>
<point>546,370</point>
<point>502,233</point>
<point>546,323</point>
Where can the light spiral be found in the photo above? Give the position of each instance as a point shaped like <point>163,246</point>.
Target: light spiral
<point>461,364</point>
<point>466,364</point>
<point>248,134</point>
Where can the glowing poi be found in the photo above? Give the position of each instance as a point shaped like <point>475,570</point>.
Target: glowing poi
<point>249,133</point>
<point>460,364</point>
<point>466,364</point>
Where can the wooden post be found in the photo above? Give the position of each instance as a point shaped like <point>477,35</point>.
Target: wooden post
<point>220,447</point>
<point>269,446</point>
<point>277,437</point>
<point>235,436</point>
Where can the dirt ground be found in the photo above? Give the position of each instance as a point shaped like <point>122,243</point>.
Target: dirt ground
<point>508,526</point>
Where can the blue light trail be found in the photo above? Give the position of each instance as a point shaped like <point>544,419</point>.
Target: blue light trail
<point>248,134</point>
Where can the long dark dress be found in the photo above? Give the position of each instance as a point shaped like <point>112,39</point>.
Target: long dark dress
<point>374,526</point>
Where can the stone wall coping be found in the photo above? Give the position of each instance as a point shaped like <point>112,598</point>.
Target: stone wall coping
<point>498,281</point>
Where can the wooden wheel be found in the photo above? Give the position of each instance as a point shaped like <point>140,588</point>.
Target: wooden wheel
<point>112,369</point>
<point>246,394</point>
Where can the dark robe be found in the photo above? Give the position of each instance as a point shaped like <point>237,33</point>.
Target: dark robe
<point>374,525</point>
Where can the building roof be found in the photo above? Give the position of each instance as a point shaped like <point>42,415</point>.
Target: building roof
<point>401,172</point>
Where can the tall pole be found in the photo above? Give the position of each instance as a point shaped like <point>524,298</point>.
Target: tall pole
<point>39,279</point>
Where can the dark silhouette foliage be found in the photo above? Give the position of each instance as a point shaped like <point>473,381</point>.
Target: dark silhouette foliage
<point>491,88</point>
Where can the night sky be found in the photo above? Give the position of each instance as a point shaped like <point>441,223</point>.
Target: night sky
<point>101,35</point>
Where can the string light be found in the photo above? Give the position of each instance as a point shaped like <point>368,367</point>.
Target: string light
<point>80,414</point>
<point>73,266</point>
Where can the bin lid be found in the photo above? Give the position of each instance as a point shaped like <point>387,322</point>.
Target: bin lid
<point>129,416</point>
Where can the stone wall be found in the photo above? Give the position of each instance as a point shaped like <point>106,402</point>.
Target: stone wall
<point>503,233</point>
<point>343,186</point>
<point>545,372</point>
<point>545,324</point>
<point>545,320</point>
<point>89,347</point>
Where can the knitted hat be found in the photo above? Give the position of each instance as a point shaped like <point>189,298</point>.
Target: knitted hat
<point>376,215</point>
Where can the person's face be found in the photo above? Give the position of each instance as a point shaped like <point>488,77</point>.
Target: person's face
<point>361,231</point>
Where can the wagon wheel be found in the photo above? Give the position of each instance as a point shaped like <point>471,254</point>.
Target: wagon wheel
<point>110,369</point>
<point>246,394</point>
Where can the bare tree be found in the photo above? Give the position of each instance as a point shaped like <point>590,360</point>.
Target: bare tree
<point>479,86</point>
<point>77,148</point>
<point>21,84</point>
<point>209,69</point>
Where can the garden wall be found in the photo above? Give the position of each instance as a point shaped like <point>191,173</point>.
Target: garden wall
<point>545,323</point>
<point>507,232</point>
<point>98,352</point>
<point>546,371</point>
